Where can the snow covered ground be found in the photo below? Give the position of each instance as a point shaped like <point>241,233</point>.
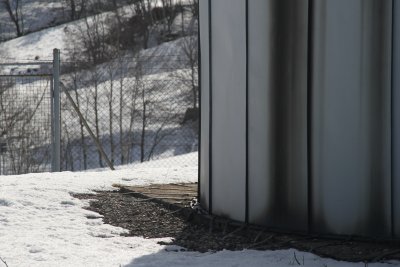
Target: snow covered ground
<point>41,224</point>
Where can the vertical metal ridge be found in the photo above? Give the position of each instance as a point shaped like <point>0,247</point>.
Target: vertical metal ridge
<point>247,114</point>
<point>309,114</point>
<point>392,220</point>
<point>210,204</point>
<point>199,105</point>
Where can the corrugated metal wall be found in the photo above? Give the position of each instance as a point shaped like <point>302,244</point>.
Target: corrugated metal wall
<point>297,114</point>
<point>277,96</point>
<point>351,112</point>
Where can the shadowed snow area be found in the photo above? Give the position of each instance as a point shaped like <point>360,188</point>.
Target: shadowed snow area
<point>41,224</point>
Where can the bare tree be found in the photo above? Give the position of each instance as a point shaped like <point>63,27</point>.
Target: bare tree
<point>67,148</point>
<point>75,77</point>
<point>95,79</point>
<point>188,67</point>
<point>162,131</point>
<point>133,106</point>
<point>169,14</point>
<point>77,8</point>
<point>190,50</point>
<point>110,98</point>
<point>121,104</point>
<point>14,10</point>
<point>142,21</point>
<point>3,261</point>
<point>89,44</point>
<point>194,8</point>
<point>145,104</point>
<point>20,133</point>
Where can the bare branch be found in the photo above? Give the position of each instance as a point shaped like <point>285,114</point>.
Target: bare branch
<point>14,11</point>
<point>3,261</point>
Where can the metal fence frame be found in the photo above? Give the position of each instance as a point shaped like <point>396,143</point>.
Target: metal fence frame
<point>171,137</point>
<point>54,100</point>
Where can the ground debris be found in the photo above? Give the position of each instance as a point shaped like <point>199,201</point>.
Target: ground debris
<point>193,231</point>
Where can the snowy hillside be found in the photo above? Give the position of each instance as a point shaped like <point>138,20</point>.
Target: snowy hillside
<point>134,102</point>
<point>36,15</point>
<point>39,45</point>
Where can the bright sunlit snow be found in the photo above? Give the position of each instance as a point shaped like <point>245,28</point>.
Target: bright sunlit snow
<point>41,224</point>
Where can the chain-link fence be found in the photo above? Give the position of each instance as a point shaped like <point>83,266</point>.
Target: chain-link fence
<point>25,120</point>
<point>128,110</point>
<point>139,109</point>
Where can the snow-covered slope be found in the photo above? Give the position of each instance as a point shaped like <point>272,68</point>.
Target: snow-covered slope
<point>161,64</point>
<point>38,45</point>
<point>36,15</point>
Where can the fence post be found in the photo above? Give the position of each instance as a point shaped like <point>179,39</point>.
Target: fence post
<point>56,124</point>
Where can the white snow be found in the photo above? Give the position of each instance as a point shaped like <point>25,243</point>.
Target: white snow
<point>41,224</point>
<point>39,44</point>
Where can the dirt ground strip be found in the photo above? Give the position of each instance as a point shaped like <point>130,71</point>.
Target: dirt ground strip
<point>151,217</point>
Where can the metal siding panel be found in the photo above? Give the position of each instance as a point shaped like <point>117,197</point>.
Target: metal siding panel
<point>396,118</point>
<point>259,115</point>
<point>229,108</point>
<point>204,149</point>
<point>278,113</point>
<point>351,117</point>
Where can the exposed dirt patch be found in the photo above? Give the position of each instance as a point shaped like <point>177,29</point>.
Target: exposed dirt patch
<point>143,217</point>
<point>150,219</point>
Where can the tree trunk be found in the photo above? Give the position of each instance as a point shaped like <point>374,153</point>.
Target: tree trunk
<point>111,117</point>
<point>73,9</point>
<point>143,136</point>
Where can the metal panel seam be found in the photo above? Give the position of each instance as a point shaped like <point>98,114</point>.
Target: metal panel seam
<point>199,106</point>
<point>210,108</point>
<point>392,222</point>
<point>247,115</point>
<point>309,113</point>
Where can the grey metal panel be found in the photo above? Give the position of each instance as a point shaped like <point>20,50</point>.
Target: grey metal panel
<point>396,118</point>
<point>351,117</point>
<point>204,149</point>
<point>229,108</point>
<point>278,113</point>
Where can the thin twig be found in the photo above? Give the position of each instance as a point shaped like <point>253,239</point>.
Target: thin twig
<point>175,211</point>
<point>294,254</point>
<point>261,242</point>
<point>258,236</point>
<point>5,263</point>
<point>235,231</point>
